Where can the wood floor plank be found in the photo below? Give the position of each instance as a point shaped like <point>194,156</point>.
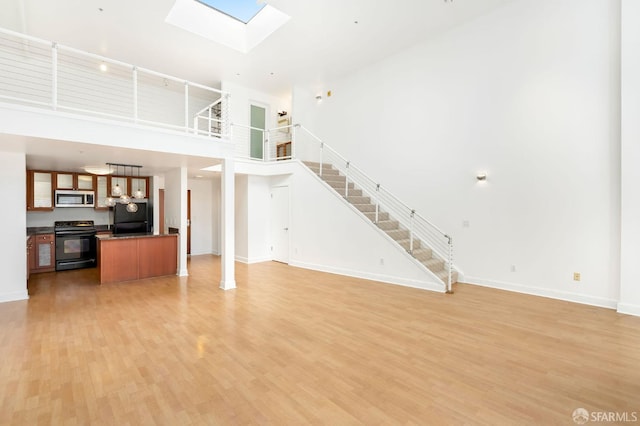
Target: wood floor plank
<point>291,346</point>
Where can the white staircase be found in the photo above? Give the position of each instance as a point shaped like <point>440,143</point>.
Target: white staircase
<point>402,236</point>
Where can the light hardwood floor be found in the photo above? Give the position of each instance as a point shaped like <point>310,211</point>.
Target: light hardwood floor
<point>294,347</point>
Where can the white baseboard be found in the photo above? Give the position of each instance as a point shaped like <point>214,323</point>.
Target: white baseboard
<point>248,261</point>
<point>14,296</point>
<point>199,253</point>
<point>545,292</point>
<point>629,309</point>
<point>423,285</point>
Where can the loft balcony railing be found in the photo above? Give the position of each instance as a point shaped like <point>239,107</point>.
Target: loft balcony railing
<point>48,75</point>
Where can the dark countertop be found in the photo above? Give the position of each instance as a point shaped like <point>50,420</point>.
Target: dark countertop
<point>35,230</point>
<point>129,236</point>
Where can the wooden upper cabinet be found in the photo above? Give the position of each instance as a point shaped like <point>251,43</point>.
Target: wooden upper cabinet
<point>77,181</point>
<point>118,182</point>
<point>64,181</point>
<point>129,185</point>
<point>102,184</point>
<point>85,182</point>
<point>40,186</point>
<point>140,183</point>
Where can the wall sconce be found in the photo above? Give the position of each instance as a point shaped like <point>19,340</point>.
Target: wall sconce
<point>482,176</point>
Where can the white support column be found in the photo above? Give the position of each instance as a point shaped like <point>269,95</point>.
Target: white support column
<point>629,299</point>
<point>228,249</point>
<point>182,253</point>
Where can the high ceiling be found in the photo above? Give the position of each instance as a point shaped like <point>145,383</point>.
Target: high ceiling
<point>322,41</point>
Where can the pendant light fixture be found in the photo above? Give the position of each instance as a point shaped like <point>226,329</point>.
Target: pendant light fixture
<point>110,201</point>
<point>117,190</point>
<point>118,194</point>
<point>138,194</point>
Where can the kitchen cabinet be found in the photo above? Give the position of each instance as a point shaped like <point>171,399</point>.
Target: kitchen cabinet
<point>31,256</point>
<point>76,181</point>
<point>119,182</point>
<point>102,189</point>
<point>44,253</point>
<point>140,183</point>
<point>85,182</point>
<point>40,190</point>
<point>134,258</point>
<point>130,184</point>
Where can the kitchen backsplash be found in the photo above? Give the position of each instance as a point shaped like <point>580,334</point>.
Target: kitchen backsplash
<point>80,213</point>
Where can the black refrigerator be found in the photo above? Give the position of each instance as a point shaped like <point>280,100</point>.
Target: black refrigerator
<point>126,222</point>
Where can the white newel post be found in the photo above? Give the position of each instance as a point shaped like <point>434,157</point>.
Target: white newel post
<point>228,279</point>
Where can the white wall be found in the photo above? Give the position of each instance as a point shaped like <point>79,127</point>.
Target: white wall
<point>204,214</point>
<point>258,218</point>
<point>528,93</point>
<point>175,211</point>
<point>252,218</point>
<point>630,273</point>
<point>13,261</point>
<point>241,218</point>
<point>216,229</point>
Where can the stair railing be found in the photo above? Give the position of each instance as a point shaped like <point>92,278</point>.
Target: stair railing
<point>213,118</point>
<point>420,229</point>
<point>275,142</point>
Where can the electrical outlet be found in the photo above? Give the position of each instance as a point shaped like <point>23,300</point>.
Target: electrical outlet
<point>465,223</point>
<point>576,276</point>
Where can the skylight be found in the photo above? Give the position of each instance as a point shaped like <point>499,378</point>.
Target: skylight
<point>242,10</point>
<point>203,18</point>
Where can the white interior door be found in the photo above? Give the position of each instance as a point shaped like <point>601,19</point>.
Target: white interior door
<point>280,223</point>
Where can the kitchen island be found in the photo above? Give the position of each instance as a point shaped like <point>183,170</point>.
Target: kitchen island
<point>133,257</point>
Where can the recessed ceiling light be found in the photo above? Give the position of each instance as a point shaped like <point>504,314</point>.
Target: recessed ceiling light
<point>103,67</point>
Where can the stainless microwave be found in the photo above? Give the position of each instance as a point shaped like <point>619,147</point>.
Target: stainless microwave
<point>68,198</point>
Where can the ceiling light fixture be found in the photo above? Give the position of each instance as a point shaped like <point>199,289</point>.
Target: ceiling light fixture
<point>98,170</point>
<point>103,67</point>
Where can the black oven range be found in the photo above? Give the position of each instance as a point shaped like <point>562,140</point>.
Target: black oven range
<point>75,244</point>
